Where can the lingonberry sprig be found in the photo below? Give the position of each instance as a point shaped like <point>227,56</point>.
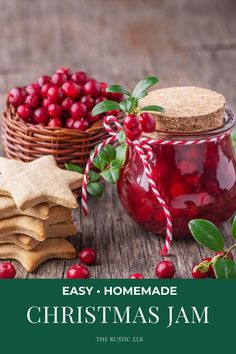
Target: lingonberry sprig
<point>222,264</point>
<point>111,159</point>
<point>136,120</point>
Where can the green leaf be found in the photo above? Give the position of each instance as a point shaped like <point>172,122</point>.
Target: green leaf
<point>207,234</point>
<point>116,164</point>
<point>121,136</point>
<point>111,175</point>
<point>99,162</point>
<point>225,268</point>
<point>128,104</point>
<point>93,176</point>
<point>72,167</point>
<point>143,94</point>
<point>118,88</point>
<point>233,228</point>
<point>152,108</point>
<point>105,106</point>
<point>108,153</point>
<point>143,85</point>
<point>95,189</point>
<point>121,151</point>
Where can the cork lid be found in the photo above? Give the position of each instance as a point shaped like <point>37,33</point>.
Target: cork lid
<point>187,109</point>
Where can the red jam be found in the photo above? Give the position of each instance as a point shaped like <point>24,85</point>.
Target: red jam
<point>197,181</point>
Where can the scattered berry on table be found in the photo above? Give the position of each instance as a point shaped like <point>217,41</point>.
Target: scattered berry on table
<point>136,276</point>
<point>77,271</point>
<point>87,256</point>
<point>165,270</point>
<point>7,271</point>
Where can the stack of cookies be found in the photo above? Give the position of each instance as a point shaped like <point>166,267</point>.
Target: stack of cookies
<point>36,202</point>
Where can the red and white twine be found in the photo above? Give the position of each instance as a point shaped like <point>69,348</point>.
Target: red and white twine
<point>144,148</point>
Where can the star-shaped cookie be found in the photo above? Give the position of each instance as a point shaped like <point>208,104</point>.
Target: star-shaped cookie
<point>31,183</point>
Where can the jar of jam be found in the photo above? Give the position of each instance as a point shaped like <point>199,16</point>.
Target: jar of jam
<point>195,180</point>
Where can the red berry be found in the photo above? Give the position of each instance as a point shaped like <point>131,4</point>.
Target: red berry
<point>64,70</point>
<point>197,274</point>
<point>115,96</point>
<point>46,103</point>
<point>113,112</point>
<point>7,271</point>
<point>40,116</point>
<point>148,122</point>
<point>32,90</point>
<point>165,269</point>
<point>80,77</point>
<point>54,123</point>
<point>70,89</point>
<point>100,99</point>
<point>91,88</point>
<point>78,110</point>
<point>54,94</point>
<point>16,96</point>
<point>103,86</point>
<point>136,276</point>
<point>24,112</point>
<point>81,125</point>
<point>32,101</point>
<point>93,119</point>
<point>54,110</point>
<point>69,123</point>
<point>88,101</point>
<point>87,256</point>
<point>134,133</point>
<point>42,80</point>
<point>67,103</point>
<point>211,272</point>
<point>45,88</point>
<point>131,121</point>
<point>77,271</point>
<point>229,255</point>
<point>58,79</point>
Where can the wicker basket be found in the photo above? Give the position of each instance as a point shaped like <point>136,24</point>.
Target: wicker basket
<point>26,142</point>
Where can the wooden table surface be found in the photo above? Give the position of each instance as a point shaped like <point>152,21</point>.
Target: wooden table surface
<point>184,42</point>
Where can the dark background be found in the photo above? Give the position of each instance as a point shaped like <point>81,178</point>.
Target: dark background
<point>184,42</point>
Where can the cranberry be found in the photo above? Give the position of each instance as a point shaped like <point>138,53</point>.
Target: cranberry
<point>54,110</point>
<point>16,96</point>
<point>32,101</point>
<point>46,103</point>
<point>87,256</point>
<point>78,110</point>
<point>93,119</point>
<point>58,79</point>
<point>80,77</point>
<point>54,94</point>
<point>88,101</point>
<point>40,115</point>
<point>134,133</point>
<point>24,112</point>
<point>100,99</point>
<point>64,70</point>
<point>70,89</point>
<point>54,123</point>
<point>136,276</point>
<point>7,271</point>
<point>211,272</point>
<point>91,88</point>
<point>77,271</point>
<point>81,125</point>
<point>229,255</point>
<point>103,86</point>
<point>42,80</point>
<point>148,122</point>
<point>69,123</point>
<point>197,274</point>
<point>113,112</point>
<point>32,90</point>
<point>115,96</point>
<point>131,121</point>
<point>45,88</point>
<point>67,103</point>
<point>165,269</point>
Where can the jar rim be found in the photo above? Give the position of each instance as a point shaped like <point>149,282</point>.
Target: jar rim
<point>229,122</point>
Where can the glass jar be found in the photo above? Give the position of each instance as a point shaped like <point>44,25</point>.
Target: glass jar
<point>196,181</point>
